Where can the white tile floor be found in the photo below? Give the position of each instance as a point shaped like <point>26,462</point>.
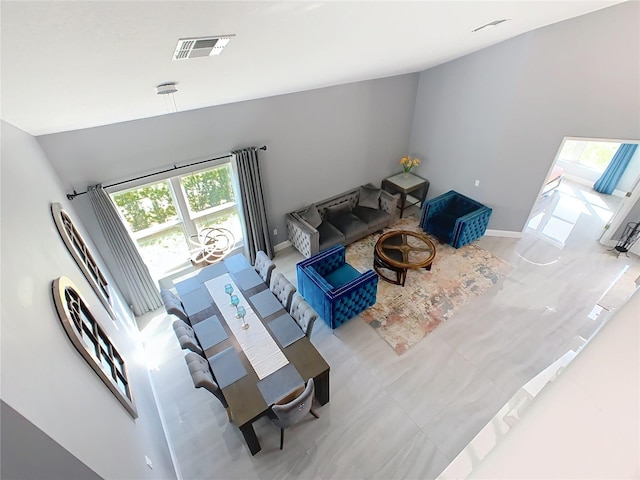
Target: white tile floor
<point>409,416</point>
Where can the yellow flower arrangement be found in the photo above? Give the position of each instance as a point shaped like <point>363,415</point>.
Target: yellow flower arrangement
<point>408,163</point>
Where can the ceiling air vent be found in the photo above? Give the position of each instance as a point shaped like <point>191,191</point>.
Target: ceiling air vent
<point>200,47</point>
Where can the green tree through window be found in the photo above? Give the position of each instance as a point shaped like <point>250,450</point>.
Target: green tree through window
<point>208,189</point>
<point>146,206</point>
<point>164,229</point>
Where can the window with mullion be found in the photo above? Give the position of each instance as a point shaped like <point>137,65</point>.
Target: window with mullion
<point>155,225</point>
<point>164,218</point>
<point>589,154</point>
<point>211,199</point>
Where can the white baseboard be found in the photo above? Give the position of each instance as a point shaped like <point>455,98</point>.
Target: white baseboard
<point>503,233</point>
<point>281,246</point>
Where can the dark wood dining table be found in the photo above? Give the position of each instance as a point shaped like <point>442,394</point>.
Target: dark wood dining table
<point>246,394</point>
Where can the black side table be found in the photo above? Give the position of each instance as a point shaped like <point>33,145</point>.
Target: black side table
<point>404,184</point>
<point>629,237</point>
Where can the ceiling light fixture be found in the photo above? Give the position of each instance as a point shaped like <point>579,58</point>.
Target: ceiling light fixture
<point>166,90</point>
<point>490,24</point>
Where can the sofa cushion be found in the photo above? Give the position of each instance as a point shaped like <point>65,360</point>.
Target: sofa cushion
<point>338,210</point>
<point>351,226</point>
<point>342,275</point>
<point>373,217</point>
<point>329,236</point>
<point>312,216</point>
<point>369,197</point>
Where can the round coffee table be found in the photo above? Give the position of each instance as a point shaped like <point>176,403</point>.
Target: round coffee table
<point>399,250</point>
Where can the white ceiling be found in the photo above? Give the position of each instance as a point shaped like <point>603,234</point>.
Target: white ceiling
<point>72,65</point>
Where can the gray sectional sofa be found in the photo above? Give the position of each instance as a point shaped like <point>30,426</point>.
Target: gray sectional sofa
<point>342,219</point>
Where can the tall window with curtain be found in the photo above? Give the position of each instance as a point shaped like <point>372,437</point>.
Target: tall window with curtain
<point>609,180</point>
<point>253,203</point>
<point>153,229</point>
<point>164,217</point>
<point>142,293</point>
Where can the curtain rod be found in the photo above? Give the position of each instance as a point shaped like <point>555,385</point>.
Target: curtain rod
<point>73,195</point>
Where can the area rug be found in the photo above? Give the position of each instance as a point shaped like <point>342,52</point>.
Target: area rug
<point>403,316</point>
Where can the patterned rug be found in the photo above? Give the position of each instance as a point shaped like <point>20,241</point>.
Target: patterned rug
<point>403,316</point>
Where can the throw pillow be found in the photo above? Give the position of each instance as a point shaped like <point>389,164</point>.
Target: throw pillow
<point>312,216</point>
<point>369,197</point>
<point>338,210</point>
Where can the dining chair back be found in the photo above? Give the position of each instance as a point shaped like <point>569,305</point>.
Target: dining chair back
<point>187,337</point>
<point>288,414</point>
<point>304,315</point>
<point>173,304</point>
<point>264,266</point>
<point>283,289</point>
<point>203,378</point>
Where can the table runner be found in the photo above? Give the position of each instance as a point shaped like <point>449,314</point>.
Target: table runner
<point>258,345</point>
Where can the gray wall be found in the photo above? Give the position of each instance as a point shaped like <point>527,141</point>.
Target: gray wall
<point>320,143</point>
<point>44,378</point>
<point>499,115</point>
<point>33,455</point>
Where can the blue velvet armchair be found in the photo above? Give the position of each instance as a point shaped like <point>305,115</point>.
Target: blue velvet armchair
<point>454,218</point>
<point>336,290</point>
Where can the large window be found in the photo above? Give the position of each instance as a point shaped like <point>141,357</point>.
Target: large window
<point>593,155</point>
<point>164,216</point>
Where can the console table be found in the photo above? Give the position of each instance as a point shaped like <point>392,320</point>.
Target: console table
<point>404,184</point>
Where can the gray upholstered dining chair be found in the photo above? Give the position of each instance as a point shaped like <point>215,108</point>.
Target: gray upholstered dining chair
<point>203,378</point>
<point>303,314</point>
<point>283,289</point>
<point>187,337</point>
<point>288,414</point>
<point>173,304</point>
<point>264,266</point>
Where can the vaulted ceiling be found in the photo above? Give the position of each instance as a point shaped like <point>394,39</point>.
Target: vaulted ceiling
<point>71,65</point>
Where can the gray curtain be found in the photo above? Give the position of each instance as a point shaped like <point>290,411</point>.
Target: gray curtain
<point>253,206</point>
<point>143,293</point>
